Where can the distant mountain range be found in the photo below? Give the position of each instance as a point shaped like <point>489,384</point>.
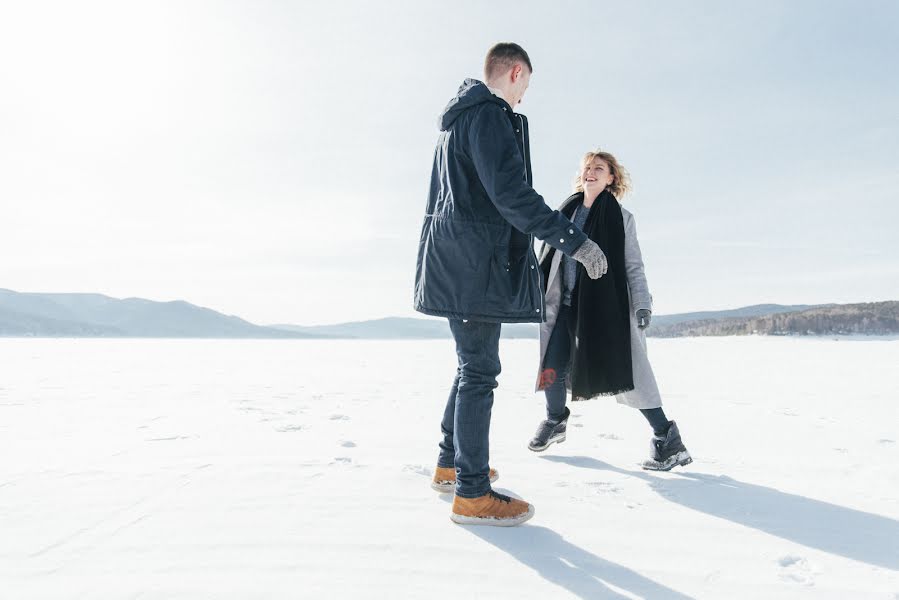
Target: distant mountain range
<point>96,315</point>
<point>755,310</point>
<point>400,328</point>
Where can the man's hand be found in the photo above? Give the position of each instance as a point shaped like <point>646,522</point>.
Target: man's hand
<point>644,316</point>
<point>592,257</point>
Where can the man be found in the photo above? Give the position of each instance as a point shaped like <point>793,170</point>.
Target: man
<point>476,266</point>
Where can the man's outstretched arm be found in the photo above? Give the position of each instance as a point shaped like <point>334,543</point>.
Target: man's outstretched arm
<point>500,168</point>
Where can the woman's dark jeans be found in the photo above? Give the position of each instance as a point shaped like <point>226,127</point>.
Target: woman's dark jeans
<point>556,365</point>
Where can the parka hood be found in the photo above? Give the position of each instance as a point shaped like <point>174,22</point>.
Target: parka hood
<point>471,93</point>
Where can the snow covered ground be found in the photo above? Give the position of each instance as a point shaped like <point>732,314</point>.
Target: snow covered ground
<point>147,469</point>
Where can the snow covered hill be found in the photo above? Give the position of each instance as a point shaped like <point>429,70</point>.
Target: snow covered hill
<point>95,315</point>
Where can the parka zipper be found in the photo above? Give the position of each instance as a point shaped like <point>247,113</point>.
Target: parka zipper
<point>539,283</point>
<point>536,265</point>
<point>524,146</point>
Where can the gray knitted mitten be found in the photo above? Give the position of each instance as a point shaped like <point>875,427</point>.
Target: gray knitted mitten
<point>592,257</point>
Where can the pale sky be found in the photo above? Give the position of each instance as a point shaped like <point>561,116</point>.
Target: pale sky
<point>271,159</point>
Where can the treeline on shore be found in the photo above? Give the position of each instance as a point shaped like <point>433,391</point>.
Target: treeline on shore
<point>872,318</point>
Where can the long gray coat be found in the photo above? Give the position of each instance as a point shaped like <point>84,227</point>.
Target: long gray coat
<point>646,392</point>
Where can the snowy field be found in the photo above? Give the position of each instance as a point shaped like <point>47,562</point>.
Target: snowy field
<point>146,469</point>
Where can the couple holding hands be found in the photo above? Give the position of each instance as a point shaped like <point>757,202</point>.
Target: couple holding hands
<point>477,267</point>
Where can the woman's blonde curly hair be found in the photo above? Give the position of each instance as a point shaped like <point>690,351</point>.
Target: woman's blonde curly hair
<point>622,183</point>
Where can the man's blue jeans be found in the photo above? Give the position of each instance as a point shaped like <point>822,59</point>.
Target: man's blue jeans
<point>466,420</point>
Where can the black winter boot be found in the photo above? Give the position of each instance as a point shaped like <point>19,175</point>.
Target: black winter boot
<point>668,451</point>
<point>550,432</point>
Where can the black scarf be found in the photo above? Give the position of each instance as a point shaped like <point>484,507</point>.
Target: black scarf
<point>600,327</point>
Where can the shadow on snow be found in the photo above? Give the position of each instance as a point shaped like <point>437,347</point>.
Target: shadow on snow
<point>847,532</point>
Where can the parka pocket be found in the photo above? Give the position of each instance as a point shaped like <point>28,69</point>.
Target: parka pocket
<point>499,280</point>
<point>508,280</point>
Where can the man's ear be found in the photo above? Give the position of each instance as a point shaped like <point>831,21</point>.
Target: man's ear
<point>516,73</point>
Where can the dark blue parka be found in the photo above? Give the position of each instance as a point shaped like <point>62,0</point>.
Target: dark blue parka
<point>476,253</point>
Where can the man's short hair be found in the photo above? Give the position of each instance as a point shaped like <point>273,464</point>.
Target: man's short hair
<point>502,57</point>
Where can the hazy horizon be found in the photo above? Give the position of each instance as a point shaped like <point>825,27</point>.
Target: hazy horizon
<point>393,316</point>
<point>271,160</point>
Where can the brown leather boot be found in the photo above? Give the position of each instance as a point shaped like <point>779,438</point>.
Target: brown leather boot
<point>491,509</point>
<point>445,479</point>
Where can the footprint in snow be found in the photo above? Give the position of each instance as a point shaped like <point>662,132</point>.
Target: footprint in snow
<point>288,428</point>
<point>789,560</point>
<point>713,576</point>
<point>886,441</point>
<point>609,436</point>
<point>418,470</point>
<point>342,460</point>
<point>604,487</point>
<point>339,418</point>
<point>796,569</point>
<point>577,425</point>
<point>348,444</point>
<point>661,489</point>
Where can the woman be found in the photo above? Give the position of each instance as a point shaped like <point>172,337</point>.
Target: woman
<point>593,341</point>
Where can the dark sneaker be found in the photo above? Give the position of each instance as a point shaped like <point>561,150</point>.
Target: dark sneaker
<point>550,432</point>
<point>667,452</point>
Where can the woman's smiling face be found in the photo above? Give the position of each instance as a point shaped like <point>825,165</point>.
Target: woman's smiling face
<point>596,176</point>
